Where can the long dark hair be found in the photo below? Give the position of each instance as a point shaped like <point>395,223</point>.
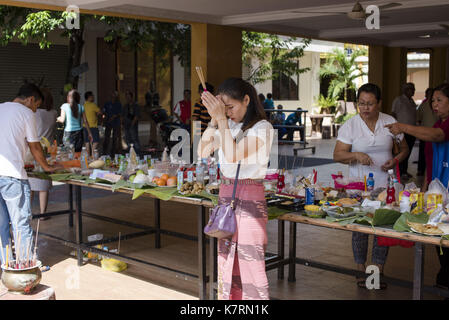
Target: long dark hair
<point>75,102</point>
<point>237,88</point>
<point>47,104</point>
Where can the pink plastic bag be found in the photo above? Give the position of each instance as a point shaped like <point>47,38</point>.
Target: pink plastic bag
<point>356,185</point>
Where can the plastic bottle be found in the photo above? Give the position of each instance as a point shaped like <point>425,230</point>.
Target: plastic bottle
<point>165,155</point>
<point>71,152</point>
<point>199,171</point>
<point>84,158</point>
<point>132,156</point>
<point>390,189</point>
<point>404,205</point>
<point>370,182</point>
<point>213,171</point>
<point>180,179</point>
<point>96,154</point>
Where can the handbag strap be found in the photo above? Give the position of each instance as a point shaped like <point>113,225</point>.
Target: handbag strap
<point>235,186</point>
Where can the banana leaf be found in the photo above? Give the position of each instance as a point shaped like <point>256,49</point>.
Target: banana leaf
<point>274,212</point>
<point>41,175</point>
<point>381,217</point>
<point>385,217</point>
<point>60,176</point>
<point>401,223</point>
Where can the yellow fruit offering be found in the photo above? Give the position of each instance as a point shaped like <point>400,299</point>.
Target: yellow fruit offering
<point>312,207</point>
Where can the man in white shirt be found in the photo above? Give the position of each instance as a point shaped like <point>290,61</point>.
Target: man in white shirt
<point>18,133</point>
<point>404,110</point>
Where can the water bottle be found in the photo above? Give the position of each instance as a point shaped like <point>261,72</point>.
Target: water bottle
<point>213,171</point>
<point>370,182</point>
<point>96,154</point>
<point>71,152</point>
<point>84,159</point>
<point>199,171</point>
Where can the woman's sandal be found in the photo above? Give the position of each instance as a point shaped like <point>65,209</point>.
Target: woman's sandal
<point>361,283</point>
<point>382,284</point>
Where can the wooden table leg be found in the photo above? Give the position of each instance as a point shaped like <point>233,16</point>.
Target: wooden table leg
<point>70,205</point>
<point>418,273</point>
<point>157,223</point>
<point>281,251</point>
<point>212,266</point>
<point>79,225</point>
<point>202,276</point>
<point>292,253</point>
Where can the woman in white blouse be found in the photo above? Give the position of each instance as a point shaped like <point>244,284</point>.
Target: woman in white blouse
<point>366,146</point>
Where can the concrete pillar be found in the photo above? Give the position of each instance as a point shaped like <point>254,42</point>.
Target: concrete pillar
<point>387,69</point>
<point>218,50</point>
<point>439,66</point>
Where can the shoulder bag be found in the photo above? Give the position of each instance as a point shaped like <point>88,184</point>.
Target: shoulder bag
<point>222,222</point>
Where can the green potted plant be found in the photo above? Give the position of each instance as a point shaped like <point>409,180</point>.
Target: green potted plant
<point>327,105</point>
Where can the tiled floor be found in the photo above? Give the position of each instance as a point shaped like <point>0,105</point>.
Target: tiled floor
<point>323,245</point>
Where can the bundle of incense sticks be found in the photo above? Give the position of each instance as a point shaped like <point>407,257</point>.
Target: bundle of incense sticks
<point>199,71</point>
<point>23,259</point>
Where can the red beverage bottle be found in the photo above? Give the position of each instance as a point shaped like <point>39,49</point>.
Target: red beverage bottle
<point>390,190</point>
<point>281,182</point>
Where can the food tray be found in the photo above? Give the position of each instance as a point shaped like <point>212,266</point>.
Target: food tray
<point>333,212</point>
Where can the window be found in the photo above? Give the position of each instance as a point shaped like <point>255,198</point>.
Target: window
<point>285,87</point>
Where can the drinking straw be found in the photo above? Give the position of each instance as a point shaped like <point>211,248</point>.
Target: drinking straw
<point>199,71</point>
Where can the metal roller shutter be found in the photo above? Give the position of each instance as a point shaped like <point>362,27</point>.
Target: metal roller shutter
<point>19,62</point>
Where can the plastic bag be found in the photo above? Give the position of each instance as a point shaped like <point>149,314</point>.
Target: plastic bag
<point>437,215</point>
<point>436,187</point>
<point>348,183</point>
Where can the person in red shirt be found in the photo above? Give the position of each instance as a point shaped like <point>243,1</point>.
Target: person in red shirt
<point>437,157</point>
<point>182,110</point>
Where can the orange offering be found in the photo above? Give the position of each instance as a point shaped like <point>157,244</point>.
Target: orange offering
<point>171,181</point>
<point>161,182</point>
<point>71,164</point>
<point>165,177</point>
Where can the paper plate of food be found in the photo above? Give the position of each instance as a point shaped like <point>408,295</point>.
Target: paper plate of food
<point>342,212</point>
<point>213,189</point>
<point>347,202</point>
<point>428,229</point>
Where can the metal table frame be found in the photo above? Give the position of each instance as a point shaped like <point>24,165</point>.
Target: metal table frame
<point>418,278</point>
<point>80,245</point>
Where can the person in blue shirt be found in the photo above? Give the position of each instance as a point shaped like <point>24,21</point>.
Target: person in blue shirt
<point>293,120</point>
<point>269,103</point>
<point>112,119</point>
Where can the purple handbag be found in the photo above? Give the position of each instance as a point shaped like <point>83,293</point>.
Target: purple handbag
<point>222,222</point>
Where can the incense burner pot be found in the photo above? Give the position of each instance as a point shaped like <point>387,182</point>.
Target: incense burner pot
<point>21,281</point>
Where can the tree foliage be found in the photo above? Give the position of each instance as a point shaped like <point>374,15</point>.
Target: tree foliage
<point>343,70</point>
<point>273,55</point>
<point>27,24</point>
